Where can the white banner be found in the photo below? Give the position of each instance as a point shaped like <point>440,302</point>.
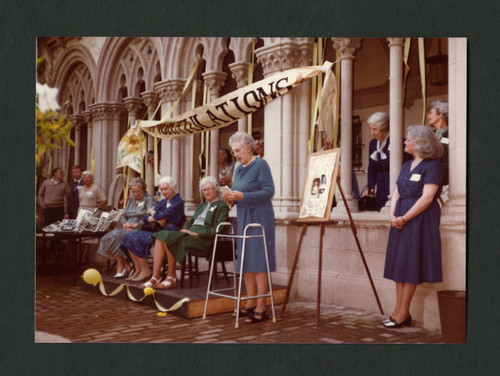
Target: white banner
<point>229,108</point>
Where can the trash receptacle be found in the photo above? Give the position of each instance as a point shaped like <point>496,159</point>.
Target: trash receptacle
<point>452,315</point>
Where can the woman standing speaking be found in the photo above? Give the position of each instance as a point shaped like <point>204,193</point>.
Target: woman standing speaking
<point>253,189</point>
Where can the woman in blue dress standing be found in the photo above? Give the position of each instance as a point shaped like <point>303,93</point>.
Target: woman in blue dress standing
<point>169,213</point>
<point>414,247</point>
<point>253,189</point>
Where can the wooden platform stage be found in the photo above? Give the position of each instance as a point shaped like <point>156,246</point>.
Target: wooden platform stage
<point>167,298</point>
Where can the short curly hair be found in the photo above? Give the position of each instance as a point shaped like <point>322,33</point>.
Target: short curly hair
<point>426,143</point>
<point>441,107</point>
<point>137,182</point>
<point>380,120</point>
<point>244,138</point>
<point>168,180</point>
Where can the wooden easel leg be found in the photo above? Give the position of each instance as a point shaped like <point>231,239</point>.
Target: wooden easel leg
<point>295,261</point>
<point>320,259</point>
<point>355,233</point>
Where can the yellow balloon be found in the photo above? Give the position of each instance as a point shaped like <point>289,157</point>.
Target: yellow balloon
<point>148,291</point>
<point>92,276</point>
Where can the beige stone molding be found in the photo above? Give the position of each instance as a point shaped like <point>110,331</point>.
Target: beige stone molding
<point>347,47</point>
<point>170,90</point>
<point>215,81</point>
<point>239,71</point>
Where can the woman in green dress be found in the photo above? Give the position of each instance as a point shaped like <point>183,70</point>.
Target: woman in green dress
<point>197,233</point>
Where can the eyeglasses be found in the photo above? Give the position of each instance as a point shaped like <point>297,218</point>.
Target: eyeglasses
<point>207,189</point>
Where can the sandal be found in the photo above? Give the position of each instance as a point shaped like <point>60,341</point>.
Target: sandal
<point>245,311</point>
<point>253,319</point>
<point>153,282</point>
<point>168,283</point>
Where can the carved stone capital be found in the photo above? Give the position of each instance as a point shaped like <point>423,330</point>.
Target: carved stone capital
<point>306,48</point>
<point>347,47</point>
<point>101,111</point>
<point>151,99</point>
<point>170,90</point>
<point>215,81</point>
<point>87,116</point>
<point>119,111</point>
<point>239,71</point>
<point>132,104</point>
<point>78,121</point>
<point>396,41</point>
<point>278,57</point>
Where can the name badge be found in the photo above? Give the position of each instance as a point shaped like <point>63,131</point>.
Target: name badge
<point>445,140</point>
<point>415,177</point>
<point>212,208</point>
<point>140,203</point>
<point>169,204</point>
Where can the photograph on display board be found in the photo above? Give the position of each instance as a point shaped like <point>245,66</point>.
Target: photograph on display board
<point>319,188</point>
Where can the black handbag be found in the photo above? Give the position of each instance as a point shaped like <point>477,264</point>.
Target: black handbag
<point>151,226</point>
<point>367,203</point>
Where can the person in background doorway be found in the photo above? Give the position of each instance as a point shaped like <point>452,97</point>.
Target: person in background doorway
<point>225,172</point>
<point>437,117</point>
<point>379,158</point>
<point>74,202</point>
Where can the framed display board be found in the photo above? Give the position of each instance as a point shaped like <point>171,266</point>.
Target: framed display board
<point>319,188</point>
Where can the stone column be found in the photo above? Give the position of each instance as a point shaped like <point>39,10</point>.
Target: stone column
<point>169,91</point>
<point>118,114</point>
<point>303,114</point>
<point>151,100</point>
<point>214,80</point>
<point>457,68</point>
<point>347,48</point>
<point>88,120</point>
<point>278,55</point>
<point>239,71</point>
<point>396,105</point>
<point>102,114</point>
<point>77,121</point>
<point>132,104</point>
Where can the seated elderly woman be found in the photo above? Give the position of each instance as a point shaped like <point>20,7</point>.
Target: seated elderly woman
<point>167,215</point>
<point>198,233</point>
<point>137,206</point>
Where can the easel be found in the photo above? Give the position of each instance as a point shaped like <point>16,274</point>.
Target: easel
<point>321,233</point>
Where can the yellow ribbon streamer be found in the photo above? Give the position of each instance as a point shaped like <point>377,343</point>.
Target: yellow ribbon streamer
<point>421,56</point>
<point>92,152</point>
<point>407,67</point>
<point>250,81</point>
<point>312,129</point>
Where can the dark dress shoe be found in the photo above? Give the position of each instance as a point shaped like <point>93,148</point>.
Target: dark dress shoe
<point>393,324</point>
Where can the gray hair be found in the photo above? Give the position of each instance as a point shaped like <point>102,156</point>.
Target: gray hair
<point>88,172</point>
<point>137,182</point>
<point>210,180</point>
<point>380,120</point>
<point>426,143</point>
<point>243,138</point>
<point>168,180</point>
<point>441,107</point>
